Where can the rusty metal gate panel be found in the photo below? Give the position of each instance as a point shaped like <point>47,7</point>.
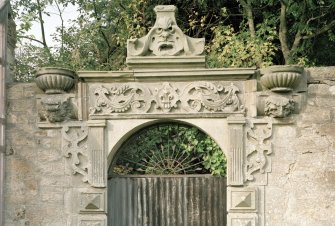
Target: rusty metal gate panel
<point>192,200</point>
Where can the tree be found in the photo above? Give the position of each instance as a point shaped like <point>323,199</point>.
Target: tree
<point>239,33</point>
<point>298,22</point>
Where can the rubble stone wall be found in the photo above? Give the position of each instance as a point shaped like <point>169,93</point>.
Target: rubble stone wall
<point>300,190</point>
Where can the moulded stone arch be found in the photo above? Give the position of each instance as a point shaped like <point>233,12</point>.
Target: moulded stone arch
<point>217,129</point>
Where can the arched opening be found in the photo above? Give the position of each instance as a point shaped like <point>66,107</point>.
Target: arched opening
<point>167,174</point>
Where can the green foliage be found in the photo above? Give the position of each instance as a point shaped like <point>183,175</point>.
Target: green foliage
<point>170,149</point>
<point>239,49</point>
<point>96,40</point>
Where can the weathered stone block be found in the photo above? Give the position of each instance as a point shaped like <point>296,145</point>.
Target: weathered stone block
<point>314,114</point>
<point>319,89</point>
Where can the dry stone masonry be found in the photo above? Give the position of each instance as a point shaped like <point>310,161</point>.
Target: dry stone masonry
<point>276,127</point>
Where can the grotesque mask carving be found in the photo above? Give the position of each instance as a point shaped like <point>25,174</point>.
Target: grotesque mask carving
<point>56,108</point>
<point>278,107</point>
<point>165,38</point>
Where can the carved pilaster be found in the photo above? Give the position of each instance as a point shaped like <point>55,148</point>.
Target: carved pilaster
<point>97,153</point>
<point>258,151</point>
<point>74,147</point>
<point>236,151</point>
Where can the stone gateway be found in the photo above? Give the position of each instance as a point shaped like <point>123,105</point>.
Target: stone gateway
<point>276,133</point>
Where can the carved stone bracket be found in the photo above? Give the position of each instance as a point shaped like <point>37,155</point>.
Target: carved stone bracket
<point>194,97</point>
<point>56,108</point>
<point>279,106</point>
<point>74,146</point>
<point>258,151</point>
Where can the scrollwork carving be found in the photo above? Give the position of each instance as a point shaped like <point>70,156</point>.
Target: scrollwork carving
<point>199,95</point>
<point>259,149</point>
<point>74,147</point>
<point>196,97</point>
<point>121,99</point>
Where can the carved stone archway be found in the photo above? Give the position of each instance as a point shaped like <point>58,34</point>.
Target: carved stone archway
<point>167,80</point>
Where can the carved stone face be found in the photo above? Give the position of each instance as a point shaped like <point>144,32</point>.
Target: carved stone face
<point>164,40</point>
<point>278,107</point>
<point>55,109</point>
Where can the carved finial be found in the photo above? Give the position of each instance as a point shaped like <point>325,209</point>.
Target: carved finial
<point>165,38</point>
<point>166,11</point>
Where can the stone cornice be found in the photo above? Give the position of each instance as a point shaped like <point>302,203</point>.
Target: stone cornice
<point>223,74</point>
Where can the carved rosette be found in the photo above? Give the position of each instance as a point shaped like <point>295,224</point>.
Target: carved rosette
<point>74,146</point>
<point>121,99</point>
<point>258,150</point>
<point>199,95</point>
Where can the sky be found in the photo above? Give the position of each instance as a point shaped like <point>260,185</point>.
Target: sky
<point>52,21</point>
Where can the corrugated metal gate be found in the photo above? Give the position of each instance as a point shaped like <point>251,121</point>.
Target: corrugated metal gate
<point>188,200</point>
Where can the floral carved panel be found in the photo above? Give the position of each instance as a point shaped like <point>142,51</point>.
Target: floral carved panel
<point>74,147</point>
<point>162,98</point>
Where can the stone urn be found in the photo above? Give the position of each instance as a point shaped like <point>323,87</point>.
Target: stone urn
<point>281,78</point>
<point>54,80</point>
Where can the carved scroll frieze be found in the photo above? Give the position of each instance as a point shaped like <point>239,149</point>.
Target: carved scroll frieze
<point>119,99</point>
<point>74,146</point>
<point>56,108</point>
<point>214,98</point>
<point>279,106</point>
<point>258,151</point>
<point>161,98</point>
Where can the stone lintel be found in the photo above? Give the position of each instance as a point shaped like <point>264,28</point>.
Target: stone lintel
<point>121,116</point>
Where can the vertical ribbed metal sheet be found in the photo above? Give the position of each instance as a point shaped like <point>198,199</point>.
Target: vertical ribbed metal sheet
<point>194,200</point>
